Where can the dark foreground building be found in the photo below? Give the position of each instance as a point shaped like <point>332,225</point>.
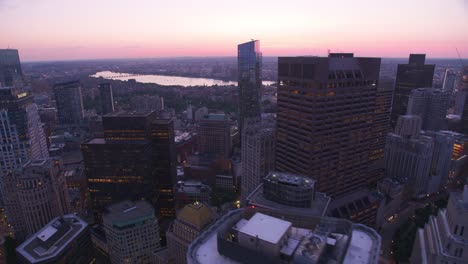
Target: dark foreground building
<point>332,120</point>
<point>135,160</point>
<point>410,76</point>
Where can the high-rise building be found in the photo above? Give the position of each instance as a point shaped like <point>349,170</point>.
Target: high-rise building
<point>249,236</point>
<point>65,239</point>
<point>327,116</point>
<point>106,98</point>
<point>415,74</point>
<point>449,81</point>
<point>135,160</point>
<point>214,135</point>
<point>11,73</point>
<point>431,105</point>
<point>420,159</point>
<point>463,90</point>
<point>249,67</point>
<point>190,222</point>
<point>20,130</point>
<point>35,195</point>
<point>69,103</point>
<point>444,238</point>
<point>132,232</point>
<point>257,153</point>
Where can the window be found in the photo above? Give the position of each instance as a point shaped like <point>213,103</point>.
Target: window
<point>462,230</point>
<point>456,229</point>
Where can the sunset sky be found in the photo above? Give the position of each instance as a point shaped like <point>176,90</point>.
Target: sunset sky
<point>93,29</point>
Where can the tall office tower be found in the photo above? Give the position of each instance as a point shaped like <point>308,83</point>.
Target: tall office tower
<point>444,238</point>
<point>431,105</point>
<point>106,98</point>
<point>257,153</point>
<point>191,221</point>
<point>133,161</point>
<point>11,73</point>
<point>132,232</point>
<point>164,154</point>
<point>69,103</point>
<point>65,239</point>
<point>449,82</point>
<point>441,160</point>
<point>327,112</point>
<point>409,76</point>
<point>408,125</point>
<point>249,67</point>
<point>463,89</point>
<point>420,159</point>
<point>35,195</point>
<point>21,134</point>
<point>214,135</point>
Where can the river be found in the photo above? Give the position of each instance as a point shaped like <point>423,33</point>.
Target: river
<point>166,80</point>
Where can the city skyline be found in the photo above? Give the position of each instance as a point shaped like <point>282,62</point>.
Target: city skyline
<point>57,30</point>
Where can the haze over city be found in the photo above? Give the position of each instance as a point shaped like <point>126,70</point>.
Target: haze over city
<point>68,30</point>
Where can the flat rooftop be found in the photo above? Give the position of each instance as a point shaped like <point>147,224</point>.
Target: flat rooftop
<point>51,240</point>
<point>265,227</point>
<point>129,114</point>
<point>127,212</point>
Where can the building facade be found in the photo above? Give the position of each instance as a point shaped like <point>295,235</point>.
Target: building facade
<point>11,73</point>
<point>449,82</point>
<point>35,195</point>
<point>132,232</point>
<point>69,102</point>
<point>431,105</point>
<point>135,160</point>
<point>326,112</point>
<point>415,74</point>
<point>444,238</point>
<point>214,135</point>
<point>106,98</point>
<point>257,153</point>
<point>249,67</point>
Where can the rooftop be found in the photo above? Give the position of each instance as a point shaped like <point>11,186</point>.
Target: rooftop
<point>323,240</point>
<point>126,213</point>
<point>318,206</point>
<point>196,214</point>
<point>265,227</point>
<point>50,241</point>
<point>216,117</point>
<point>290,179</point>
<point>129,114</point>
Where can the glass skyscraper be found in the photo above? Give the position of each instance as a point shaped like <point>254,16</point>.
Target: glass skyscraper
<point>249,63</point>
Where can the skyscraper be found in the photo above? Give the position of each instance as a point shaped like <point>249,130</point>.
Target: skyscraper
<point>11,73</point>
<point>257,153</point>
<point>132,232</point>
<point>444,238</point>
<point>422,160</point>
<point>327,112</point>
<point>449,82</point>
<point>214,135</point>
<point>249,67</point>
<point>35,195</point>
<point>431,105</point>
<point>135,160</point>
<point>409,76</point>
<point>463,90</point>
<point>65,239</point>
<point>106,98</point>
<point>69,103</point>
<point>21,134</point>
